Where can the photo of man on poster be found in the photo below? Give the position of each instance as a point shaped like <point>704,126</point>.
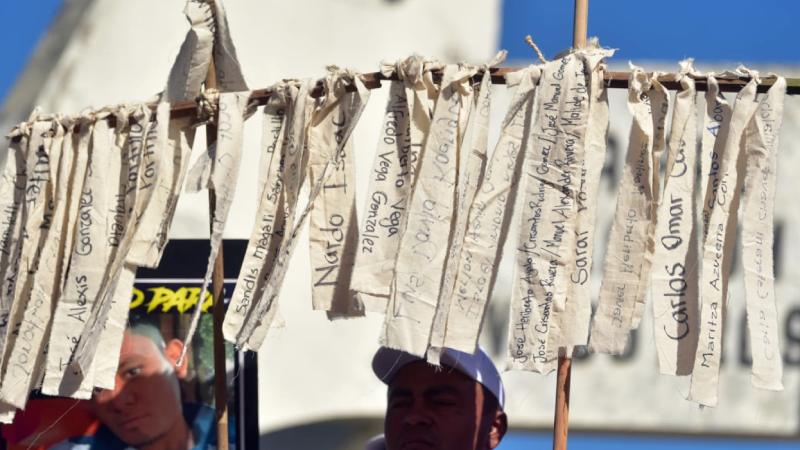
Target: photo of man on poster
<point>145,410</point>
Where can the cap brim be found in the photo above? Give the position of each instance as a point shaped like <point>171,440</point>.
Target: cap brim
<point>388,361</point>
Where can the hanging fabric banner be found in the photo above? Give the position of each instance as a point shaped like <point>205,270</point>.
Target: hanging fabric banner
<point>91,256</point>
<point>716,122</point>
<point>130,142</point>
<point>269,227</point>
<point>223,177</point>
<point>209,30</point>
<point>24,366</point>
<point>263,309</point>
<point>333,224</point>
<point>191,66</point>
<point>29,320</point>
<point>77,222</point>
<point>571,327</point>
<point>226,63</point>
<point>546,232</point>
<point>12,218</point>
<point>628,257</point>
<point>108,312</point>
<point>718,252</point>
<point>32,215</point>
<point>674,277</point>
<point>472,161</point>
<point>166,159</point>
<point>425,244</point>
<point>758,203</point>
<point>659,102</point>
<point>489,215</point>
<point>125,202</point>
<point>257,324</point>
<point>406,122</point>
<point>12,223</point>
<point>105,363</point>
<point>255,328</point>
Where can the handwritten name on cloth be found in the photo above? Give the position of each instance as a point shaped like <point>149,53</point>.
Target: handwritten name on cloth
<point>223,179</point>
<point>571,327</point>
<point>627,262</point>
<point>12,218</point>
<point>110,318</point>
<point>758,210</point>
<point>406,122</point>
<point>27,357</point>
<point>14,224</point>
<point>90,259</point>
<point>717,255</point>
<point>265,237</point>
<point>425,244</point>
<point>547,223</point>
<point>12,201</point>
<point>472,158</point>
<point>288,180</point>
<point>30,312</point>
<point>126,205</point>
<point>674,276</point>
<point>489,215</point>
<point>333,224</point>
<point>716,122</point>
<point>348,110</point>
<point>80,144</point>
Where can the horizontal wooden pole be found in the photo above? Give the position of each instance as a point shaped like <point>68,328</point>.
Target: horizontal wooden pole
<point>616,80</point>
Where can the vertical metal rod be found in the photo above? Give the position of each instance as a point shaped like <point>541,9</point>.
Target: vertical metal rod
<point>564,374</point>
<point>217,291</point>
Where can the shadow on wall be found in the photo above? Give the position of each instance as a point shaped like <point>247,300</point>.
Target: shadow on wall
<point>339,434</point>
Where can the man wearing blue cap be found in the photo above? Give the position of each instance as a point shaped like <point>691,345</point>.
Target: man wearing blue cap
<point>455,406</point>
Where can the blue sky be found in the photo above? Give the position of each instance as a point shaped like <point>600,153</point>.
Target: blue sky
<point>762,31</point>
<point>24,24</point>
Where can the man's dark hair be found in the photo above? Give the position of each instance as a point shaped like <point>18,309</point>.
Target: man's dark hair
<point>149,331</point>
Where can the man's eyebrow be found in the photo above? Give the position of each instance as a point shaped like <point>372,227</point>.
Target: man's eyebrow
<point>399,392</point>
<point>442,389</point>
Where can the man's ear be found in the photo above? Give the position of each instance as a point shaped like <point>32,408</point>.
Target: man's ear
<point>173,352</point>
<point>498,428</point>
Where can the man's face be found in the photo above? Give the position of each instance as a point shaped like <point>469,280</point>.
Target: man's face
<point>433,408</point>
<point>145,403</point>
